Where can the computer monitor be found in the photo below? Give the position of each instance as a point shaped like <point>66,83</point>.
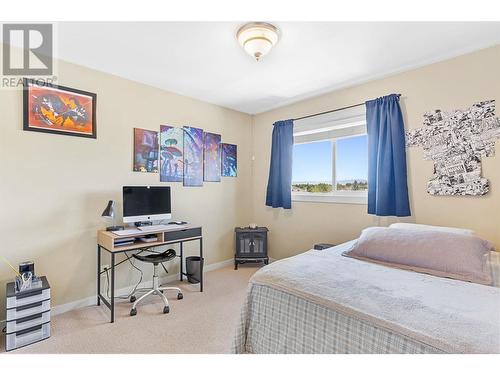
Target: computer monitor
<point>146,203</point>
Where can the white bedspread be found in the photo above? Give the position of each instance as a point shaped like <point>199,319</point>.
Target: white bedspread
<point>451,315</point>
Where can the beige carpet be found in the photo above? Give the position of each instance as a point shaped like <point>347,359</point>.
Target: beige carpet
<point>199,323</point>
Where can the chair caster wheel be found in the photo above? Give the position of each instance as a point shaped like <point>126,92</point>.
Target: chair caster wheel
<point>133,312</point>
<point>132,299</point>
<point>180,296</point>
<point>166,310</point>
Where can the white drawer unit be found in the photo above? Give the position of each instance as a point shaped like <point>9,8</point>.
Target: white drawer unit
<point>28,310</point>
<point>27,336</point>
<point>28,322</point>
<point>28,315</point>
<point>30,297</point>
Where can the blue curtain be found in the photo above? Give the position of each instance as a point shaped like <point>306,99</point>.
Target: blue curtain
<point>387,181</point>
<point>279,185</point>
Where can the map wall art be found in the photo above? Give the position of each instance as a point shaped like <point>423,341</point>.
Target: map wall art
<point>56,109</point>
<point>212,157</point>
<point>171,148</point>
<point>456,142</point>
<point>193,156</point>
<point>145,150</point>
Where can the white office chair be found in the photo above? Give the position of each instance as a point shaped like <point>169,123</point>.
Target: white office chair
<point>156,289</point>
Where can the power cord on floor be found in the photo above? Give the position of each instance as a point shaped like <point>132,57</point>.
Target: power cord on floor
<point>136,285</point>
<point>106,270</point>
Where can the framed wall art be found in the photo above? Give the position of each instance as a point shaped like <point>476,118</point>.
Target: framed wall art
<point>49,108</point>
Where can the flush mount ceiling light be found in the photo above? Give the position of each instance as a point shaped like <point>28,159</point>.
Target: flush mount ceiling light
<point>257,38</point>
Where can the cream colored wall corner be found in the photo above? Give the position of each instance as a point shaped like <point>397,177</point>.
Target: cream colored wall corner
<point>53,188</point>
<point>448,85</point>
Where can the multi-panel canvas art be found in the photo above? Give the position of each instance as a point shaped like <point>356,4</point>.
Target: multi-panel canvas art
<point>212,157</point>
<point>171,148</point>
<point>145,150</point>
<point>229,160</point>
<point>185,154</point>
<point>59,110</point>
<point>193,156</point>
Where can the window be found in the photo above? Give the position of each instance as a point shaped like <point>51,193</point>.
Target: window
<point>351,172</point>
<point>330,158</point>
<point>312,167</point>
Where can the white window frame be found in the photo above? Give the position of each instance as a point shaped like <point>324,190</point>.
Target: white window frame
<point>337,122</point>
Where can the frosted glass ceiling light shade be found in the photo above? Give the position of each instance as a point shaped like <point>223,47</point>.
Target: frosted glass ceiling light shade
<point>257,38</point>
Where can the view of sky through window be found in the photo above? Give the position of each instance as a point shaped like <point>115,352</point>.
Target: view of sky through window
<point>312,165</point>
<point>312,162</point>
<point>352,158</point>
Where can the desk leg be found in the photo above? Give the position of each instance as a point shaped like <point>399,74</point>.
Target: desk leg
<point>201,264</point>
<point>112,302</point>
<point>182,259</point>
<point>98,275</point>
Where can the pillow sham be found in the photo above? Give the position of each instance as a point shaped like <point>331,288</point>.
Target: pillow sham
<point>430,227</point>
<point>445,254</point>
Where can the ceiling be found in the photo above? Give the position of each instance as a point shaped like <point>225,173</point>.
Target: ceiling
<point>203,59</point>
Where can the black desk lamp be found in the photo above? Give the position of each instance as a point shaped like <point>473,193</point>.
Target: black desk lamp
<point>109,212</point>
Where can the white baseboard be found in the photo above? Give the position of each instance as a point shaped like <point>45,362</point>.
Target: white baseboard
<point>92,300</point>
<point>216,266</point>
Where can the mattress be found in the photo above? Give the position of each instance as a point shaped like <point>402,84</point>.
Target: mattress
<point>322,302</point>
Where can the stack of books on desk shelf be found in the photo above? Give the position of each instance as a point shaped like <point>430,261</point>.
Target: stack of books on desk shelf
<point>124,241</point>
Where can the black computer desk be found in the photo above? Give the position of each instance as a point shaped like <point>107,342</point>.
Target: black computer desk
<point>106,241</point>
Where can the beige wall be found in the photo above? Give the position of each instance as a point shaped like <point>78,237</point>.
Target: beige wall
<point>53,188</point>
<point>448,85</point>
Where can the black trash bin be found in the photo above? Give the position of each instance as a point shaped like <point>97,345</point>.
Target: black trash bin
<point>194,265</point>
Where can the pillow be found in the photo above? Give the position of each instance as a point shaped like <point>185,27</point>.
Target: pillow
<point>431,227</point>
<point>494,264</point>
<point>446,254</point>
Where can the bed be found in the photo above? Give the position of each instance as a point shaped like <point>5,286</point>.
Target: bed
<point>323,302</point>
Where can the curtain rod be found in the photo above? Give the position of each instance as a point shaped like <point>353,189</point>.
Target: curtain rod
<point>332,110</point>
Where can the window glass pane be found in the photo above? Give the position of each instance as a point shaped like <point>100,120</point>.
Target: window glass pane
<point>352,163</point>
<point>312,167</point>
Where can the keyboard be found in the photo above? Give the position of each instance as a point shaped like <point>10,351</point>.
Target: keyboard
<point>146,229</point>
<point>155,228</point>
